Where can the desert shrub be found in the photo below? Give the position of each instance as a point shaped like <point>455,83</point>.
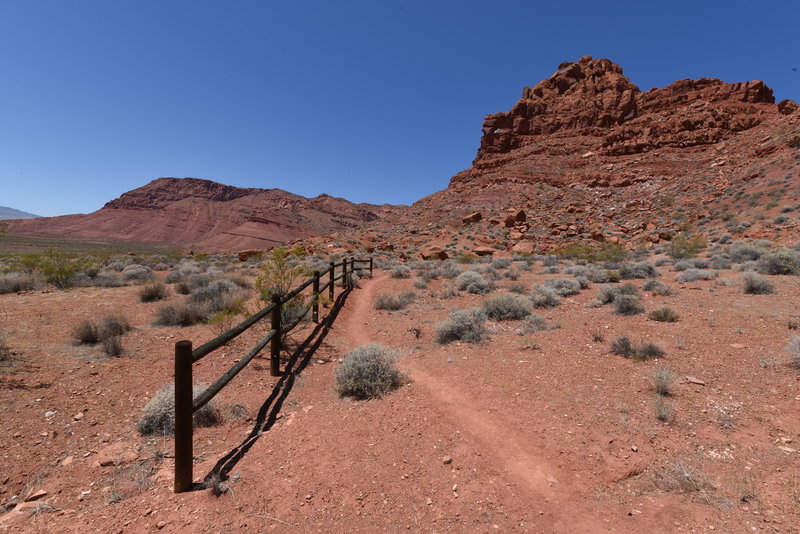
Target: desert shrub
<point>489,272</point>
<point>550,270</point>
<point>664,315</point>
<point>550,260</point>
<point>183,270</point>
<point>662,381</point>
<point>639,269</point>
<point>741,252</point>
<point>603,276</point>
<point>153,291</point>
<point>106,279</point>
<point>657,288</point>
<point>5,350</point>
<point>159,413</point>
<point>14,282</point>
<point>57,268</point>
<point>576,270</point>
<point>785,261</point>
<point>532,323</point>
<point>401,271</point>
<point>367,372</point>
<point>685,246</point>
<point>137,273</point>
<point>449,270</point>
<point>89,333</point>
<point>462,325</point>
<point>512,274</point>
<point>420,283</point>
<point>793,349</point>
<point>448,292</point>
<point>112,346</point>
<point>757,285</point>
<point>583,282</point>
<point>427,276</point>
<point>693,275</point>
<point>472,282</point>
<point>501,263</point>
<point>183,287</point>
<point>720,264</point>
<point>507,307</point>
<point>545,297</point>
<point>218,296</point>
<point>608,294</point>
<point>86,333</point>
<point>626,348</point>
<point>664,409</point>
<point>563,287</point>
<point>628,305</point>
<point>180,314</point>
<point>691,263</point>
<point>396,301</point>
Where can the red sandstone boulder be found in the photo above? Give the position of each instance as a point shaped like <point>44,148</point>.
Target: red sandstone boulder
<point>472,218</point>
<point>249,253</point>
<point>433,253</point>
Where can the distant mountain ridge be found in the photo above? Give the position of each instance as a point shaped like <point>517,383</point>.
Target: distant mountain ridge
<point>7,213</point>
<point>207,215</point>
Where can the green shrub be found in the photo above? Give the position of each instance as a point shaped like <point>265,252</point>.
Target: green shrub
<point>685,246</point>
<point>507,307</point>
<point>462,325</point>
<point>153,291</point>
<point>396,301</point>
<point>757,285</point>
<point>367,372</point>
<point>159,413</point>
<point>664,315</point>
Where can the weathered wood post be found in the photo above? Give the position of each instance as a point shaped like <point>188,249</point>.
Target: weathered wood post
<point>370,266</point>
<point>330,286</point>
<point>275,348</point>
<point>183,416</point>
<point>352,272</point>
<point>315,296</point>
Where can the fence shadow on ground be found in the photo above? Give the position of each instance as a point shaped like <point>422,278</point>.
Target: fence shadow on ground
<point>268,413</point>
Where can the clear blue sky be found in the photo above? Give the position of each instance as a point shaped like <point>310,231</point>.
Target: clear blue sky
<point>375,101</point>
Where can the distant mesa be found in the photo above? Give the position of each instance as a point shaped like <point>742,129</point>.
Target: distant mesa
<point>11,213</point>
<point>207,215</point>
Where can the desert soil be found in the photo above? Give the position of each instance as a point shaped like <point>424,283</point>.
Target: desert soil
<point>546,432</point>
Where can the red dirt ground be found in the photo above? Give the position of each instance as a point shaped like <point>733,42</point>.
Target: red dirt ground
<point>547,432</point>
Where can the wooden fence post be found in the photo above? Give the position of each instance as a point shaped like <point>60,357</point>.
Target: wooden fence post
<point>315,290</point>
<point>352,272</point>
<point>370,266</point>
<point>330,286</point>
<point>184,455</point>
<point>275,348</point>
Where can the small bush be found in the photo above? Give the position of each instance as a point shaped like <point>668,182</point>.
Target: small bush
<point>449,270</point>
<point>182,314</point>
<point>657,288</point>
<point>692,263</point>
<point>628,305</point>
<point>153,291</point>
<point>664,409</point>
<point>462,325</point>
<point>545,297</point>
<point>138,273</point>
<point>507,307</point>
<point>159,413</point>
<point>86,333</point>
<point>693,275</point>
<point>741,252</point>
<point>757,285</point>
<point>420,283</point>
<point>626,348</point>
<point>639,269</point>
<point>662,381</point>
<point>785,261</point>
<point>112,346</point>
<point>367,372</point>
<point>563,287</point>
<point>472,282</point>
<point>532,323</point>
<point>113,325</point>
<point>664,315</point>
<point>14,282</point>
<point>394,302</point>
<point>401,271</point>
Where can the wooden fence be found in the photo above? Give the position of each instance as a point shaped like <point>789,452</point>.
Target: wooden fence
<point>185,356</point>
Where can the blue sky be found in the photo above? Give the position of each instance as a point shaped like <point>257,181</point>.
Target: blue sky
<point>374,101</point>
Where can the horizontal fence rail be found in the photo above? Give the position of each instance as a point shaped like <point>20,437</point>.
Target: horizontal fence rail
<point>185,356</point>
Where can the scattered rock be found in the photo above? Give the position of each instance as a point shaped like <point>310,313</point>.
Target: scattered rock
<point>693,380</point>
<point>447,460</point>
<point>472,218</point>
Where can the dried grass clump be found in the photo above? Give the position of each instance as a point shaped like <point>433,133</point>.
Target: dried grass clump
<point>532,323</point>
<point>793,349</point>
<point>626,348</point>
<point>693,275</point>
<point>368,371</point>
<point>545,297</point>
<point>462,325</point>
<point>159,412</point>
<point>89,333</point>
<point>401,271</point>
<point>137,273</point>
<point>14,282</point>
<point>657,288</point>
<point>628,305</point>
<point>639,269</point>
<point>785,262</point>
<point>563,287</point>
<point>181,314</point>
<point>664,315</point>
<point>507,307</point>
<point>394,302</point>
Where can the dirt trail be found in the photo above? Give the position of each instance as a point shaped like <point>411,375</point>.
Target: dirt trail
<point>496,436</point>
